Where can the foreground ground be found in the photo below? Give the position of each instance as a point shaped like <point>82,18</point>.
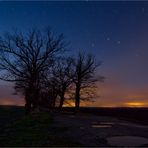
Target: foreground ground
<point>65,129</point>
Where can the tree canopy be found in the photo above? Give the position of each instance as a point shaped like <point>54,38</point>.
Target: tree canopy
<point>35,62</point>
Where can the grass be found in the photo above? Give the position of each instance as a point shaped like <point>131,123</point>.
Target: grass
<point>34,130</point>
<point>40,129</point>
<point>29,131</point>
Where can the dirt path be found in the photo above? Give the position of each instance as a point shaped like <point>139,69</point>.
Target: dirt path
<point>92,130</point>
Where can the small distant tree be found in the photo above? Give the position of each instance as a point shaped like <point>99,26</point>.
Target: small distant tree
<point>25,58</point>
<point>85,68</point>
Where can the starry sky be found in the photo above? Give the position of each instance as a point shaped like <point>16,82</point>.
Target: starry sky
<point>116,32</point>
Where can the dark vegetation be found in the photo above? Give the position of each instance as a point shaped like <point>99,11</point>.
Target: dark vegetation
<point>133,114</point>
<point>37,129</point>
<point>8,114</point>
<point>37,64</point>
<point>33,130</point>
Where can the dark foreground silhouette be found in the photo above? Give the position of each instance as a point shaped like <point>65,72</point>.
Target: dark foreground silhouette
<point>89,127</point>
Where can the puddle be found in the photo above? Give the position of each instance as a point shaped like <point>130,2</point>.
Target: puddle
<point>107,123</point>
<point>133,125</point>
<point>127,141</point>
<point>81,127</point>
<point>100,126</point>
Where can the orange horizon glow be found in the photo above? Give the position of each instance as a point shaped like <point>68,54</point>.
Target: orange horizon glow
<point>70,103</point>
<point>136,104</point>
<point>111,95</point>
<point>9,101</point>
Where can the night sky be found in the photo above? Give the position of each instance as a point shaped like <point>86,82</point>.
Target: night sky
<point>116,32</point>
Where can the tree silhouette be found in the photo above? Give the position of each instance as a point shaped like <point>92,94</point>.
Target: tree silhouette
<point>84,76</point>
<point>25,58</point>
<point>49,90</point>
<point>33,61</point>
<point>62,74</point>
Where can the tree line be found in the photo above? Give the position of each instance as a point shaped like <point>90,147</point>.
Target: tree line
<point>37,63</point>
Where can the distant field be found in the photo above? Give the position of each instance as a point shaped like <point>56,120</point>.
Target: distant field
<point>11,113</point>
<point>138,115</point>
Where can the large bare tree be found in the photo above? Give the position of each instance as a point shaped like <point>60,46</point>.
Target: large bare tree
<point>85,67</point>
<point>24,58</point>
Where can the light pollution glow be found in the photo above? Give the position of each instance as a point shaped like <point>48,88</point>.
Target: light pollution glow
<point>135,104</point>
<point>20,102</point>
<point>112,94</point>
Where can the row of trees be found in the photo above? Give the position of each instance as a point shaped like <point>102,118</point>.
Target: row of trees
<point>37,64</point>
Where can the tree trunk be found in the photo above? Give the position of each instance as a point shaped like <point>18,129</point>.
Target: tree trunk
<point>77,97</point>
<point>54,101</point>
<point>29,99</point>
<point>27,105</point>
<point>61,100</point>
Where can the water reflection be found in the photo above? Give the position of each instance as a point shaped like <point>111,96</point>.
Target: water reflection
<point>100,126</point>
<point>108,123</point>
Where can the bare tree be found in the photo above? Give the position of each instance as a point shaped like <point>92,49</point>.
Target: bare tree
<point>25,58</point>
<point>62,74</point>
<point>85,70</point>
<point>49,90</point>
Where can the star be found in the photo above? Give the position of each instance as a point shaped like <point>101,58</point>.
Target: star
<point>143,10</point>
<point>118,42</point>
<point>92,44</point>
<point>108,39</point>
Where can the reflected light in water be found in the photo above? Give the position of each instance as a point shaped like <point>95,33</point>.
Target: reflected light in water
<point>100,126</point>
<point>107,123</point>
